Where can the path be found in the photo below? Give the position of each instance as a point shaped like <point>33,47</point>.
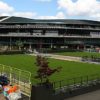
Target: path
<point>95,95</point>
<point>69,58</point>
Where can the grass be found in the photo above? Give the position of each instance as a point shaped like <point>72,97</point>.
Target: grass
<point>79,54</point>
<point>69,69</point>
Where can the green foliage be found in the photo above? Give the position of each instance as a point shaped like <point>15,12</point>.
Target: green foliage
<point>19,44</point>
<point>69,69</point>
<point>44,71</point>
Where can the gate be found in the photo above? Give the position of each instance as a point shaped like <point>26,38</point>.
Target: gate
<point>19,77</point>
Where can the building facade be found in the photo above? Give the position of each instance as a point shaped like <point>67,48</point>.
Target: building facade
<point>36,34</point>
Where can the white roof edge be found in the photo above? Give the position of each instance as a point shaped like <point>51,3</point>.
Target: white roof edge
<point>5,18</point>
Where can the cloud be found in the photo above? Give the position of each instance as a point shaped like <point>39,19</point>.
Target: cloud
<point>34,15</point>
<point>72,8</point>
<point>89,8</point>
<point>24,14</point>
<point>43,0</point>
<point>20,14</point>
<point>4,7</point>
<point>7,10</point>
<point>96,16</point>
<point>59,15</point>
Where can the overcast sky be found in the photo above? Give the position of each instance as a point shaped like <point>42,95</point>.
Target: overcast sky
<point>51,9</point>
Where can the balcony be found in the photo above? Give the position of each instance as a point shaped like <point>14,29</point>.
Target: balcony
<point>10,34</point>
<point>47,27</point>
<point>32,26</point>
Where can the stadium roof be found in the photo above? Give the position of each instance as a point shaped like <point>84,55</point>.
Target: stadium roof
<point>2,17</point>
<point>12,19</point>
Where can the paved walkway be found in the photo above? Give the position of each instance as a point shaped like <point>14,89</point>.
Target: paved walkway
<point>88,96</point>
<point>69,58</point>
<point>2,97</point>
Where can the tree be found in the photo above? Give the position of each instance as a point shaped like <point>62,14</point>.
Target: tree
<point>44,71</point>
<point>19,44</point>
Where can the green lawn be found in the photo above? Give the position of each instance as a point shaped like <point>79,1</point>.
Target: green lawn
<point>69,69</point>
<point>79,54</point>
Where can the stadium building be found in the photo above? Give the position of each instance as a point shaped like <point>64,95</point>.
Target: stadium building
<point>48,34</point>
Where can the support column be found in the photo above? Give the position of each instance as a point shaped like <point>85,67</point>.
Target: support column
<point>30,47</point>
<point>78,47</point>
<point>51,45</point>
<point>10,42</point>
<point>84,47</point>
<point>40,46</point>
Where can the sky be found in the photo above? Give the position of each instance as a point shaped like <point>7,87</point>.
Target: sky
<point>51,9</point>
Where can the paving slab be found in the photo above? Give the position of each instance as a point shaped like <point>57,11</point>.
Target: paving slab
<point>95,95</point>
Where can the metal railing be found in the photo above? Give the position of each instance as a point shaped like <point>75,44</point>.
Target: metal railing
<point>20,77</point>
<point>49,26</point>
<point>46,35</point>
<point>91,59</point>
<point>77,82</point>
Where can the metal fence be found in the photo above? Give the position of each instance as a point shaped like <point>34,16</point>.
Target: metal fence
<point>76,82</point>
<point>91,59</point>
<point>19,77</point>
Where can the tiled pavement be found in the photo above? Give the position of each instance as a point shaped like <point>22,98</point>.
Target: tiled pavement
<point>88,96</point>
